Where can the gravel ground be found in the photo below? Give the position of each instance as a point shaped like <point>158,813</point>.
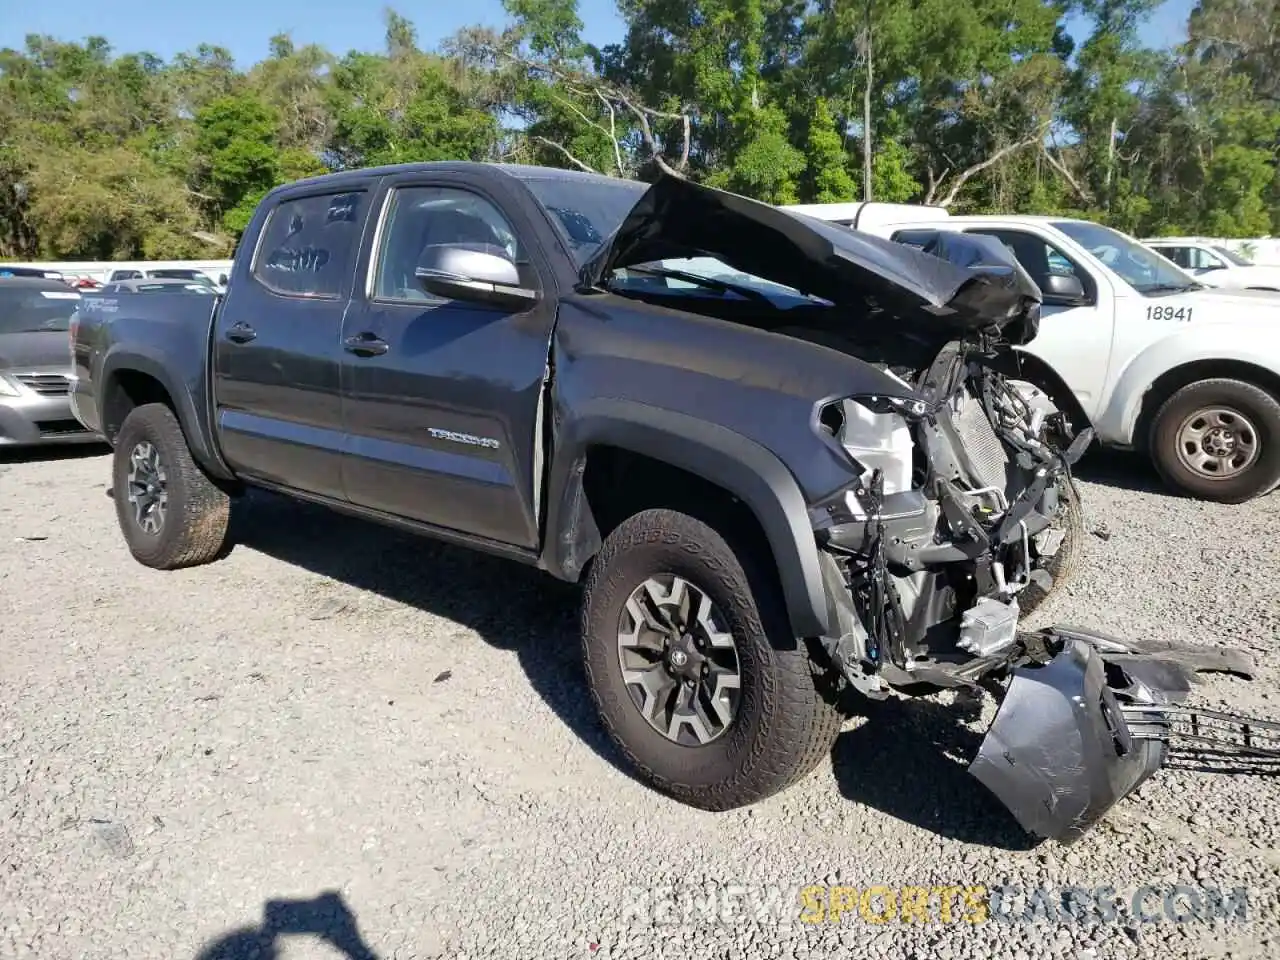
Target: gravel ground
<point>342,742</point>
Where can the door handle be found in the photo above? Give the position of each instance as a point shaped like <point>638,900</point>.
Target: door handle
<point>241,332</point>
<point>366,345</point>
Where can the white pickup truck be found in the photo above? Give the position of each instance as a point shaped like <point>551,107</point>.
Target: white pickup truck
<point>1215,265</point>
<point>1129,343</point>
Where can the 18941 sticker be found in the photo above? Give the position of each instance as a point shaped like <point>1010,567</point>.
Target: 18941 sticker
<point>1162,312</point>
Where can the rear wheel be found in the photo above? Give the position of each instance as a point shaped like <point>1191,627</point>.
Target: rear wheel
<point>1218,440</point>
<point>171,514</point>
<point>693,667</point>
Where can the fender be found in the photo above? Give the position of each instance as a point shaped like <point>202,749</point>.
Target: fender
<point>1118,420</point>
<point>189,408</point>
<point>739,465</point>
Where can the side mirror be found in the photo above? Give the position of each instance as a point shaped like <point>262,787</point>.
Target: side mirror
<point>1063,288</point>
<point>461,272</point>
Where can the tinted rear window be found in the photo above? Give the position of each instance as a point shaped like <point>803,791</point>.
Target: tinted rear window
<point>309,245</point>
<point>32,309</point>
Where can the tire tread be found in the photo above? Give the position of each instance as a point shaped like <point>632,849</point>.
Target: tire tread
<point>204,513</point>
<point>798,723</point>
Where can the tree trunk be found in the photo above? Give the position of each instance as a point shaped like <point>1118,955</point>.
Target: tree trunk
<point>866,111</point>
<point>1111,163</point>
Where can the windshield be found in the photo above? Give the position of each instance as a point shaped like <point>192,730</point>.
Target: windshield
<point>1232,257</point>
<point>1142,268</point>
<point>588,212</point>
<point>33,310</point>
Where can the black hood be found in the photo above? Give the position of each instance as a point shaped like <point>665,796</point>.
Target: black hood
<point>964,284</point>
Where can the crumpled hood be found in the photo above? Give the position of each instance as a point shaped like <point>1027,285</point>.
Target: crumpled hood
<point>969,285</point>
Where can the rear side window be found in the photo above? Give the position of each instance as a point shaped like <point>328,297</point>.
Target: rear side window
<point>309,245</point>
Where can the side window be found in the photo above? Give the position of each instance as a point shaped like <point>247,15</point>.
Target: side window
<point>1179,255</point>
<point>1202,259</point>
<point>1039,258</point>
<point>914,238</point>
<point>422,217</point>
<point>309,245</point>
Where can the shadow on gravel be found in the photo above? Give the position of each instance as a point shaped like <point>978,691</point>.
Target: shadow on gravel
<point>910,760</point>
<point>512,607</point>
<point>53,453</point>
<point>1123,470</point>
<point>325,916</point>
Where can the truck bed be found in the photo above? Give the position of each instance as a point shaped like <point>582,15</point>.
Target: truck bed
<point>165,334</point>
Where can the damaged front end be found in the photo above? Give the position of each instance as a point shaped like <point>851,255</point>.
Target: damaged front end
<point>954,513</point>
<point>1087,719</point>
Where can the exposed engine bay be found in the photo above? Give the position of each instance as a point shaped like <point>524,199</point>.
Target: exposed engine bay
<point>962,516</point>
<point>965,502</point>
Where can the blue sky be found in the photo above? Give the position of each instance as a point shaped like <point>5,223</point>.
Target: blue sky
<point>243,26</point>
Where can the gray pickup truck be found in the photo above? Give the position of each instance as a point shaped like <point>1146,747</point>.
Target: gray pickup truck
<point>776,453</point>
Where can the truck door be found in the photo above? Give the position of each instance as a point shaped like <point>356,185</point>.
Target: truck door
<point>442,397</point>
<point>1075,334</point>
<point>276,349</point>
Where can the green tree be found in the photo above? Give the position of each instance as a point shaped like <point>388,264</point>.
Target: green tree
<point>827,178</point>
<point>237,156</point>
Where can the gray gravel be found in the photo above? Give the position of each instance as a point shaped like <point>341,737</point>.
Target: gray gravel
<point>394,736</point>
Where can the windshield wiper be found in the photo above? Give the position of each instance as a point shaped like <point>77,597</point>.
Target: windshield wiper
<point>1169,287</point>
<point>720,286</point>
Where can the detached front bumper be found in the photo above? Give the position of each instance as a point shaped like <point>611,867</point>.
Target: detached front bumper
<point>1080,731</point>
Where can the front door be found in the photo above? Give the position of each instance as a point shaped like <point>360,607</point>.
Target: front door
<point>1074,339</point>
<point>443,397</point>
<point>276,344</point>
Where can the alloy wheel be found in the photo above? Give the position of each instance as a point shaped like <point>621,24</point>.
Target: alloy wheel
<point>147,487</point>
<point>679,661</point>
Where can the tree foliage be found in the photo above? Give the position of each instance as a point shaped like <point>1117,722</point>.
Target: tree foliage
<point>978,105</point>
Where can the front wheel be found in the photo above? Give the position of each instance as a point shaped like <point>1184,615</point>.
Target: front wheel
<point>171,514</point>
<point>1218,440</point>
<point>695,671</point>
<point>1066,535</point>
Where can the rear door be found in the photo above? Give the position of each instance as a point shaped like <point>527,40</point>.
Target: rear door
<point>276,340</point>
<point>443,397</point>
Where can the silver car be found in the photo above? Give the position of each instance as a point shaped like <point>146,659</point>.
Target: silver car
<point>161,285</point>
<point>35,363</point>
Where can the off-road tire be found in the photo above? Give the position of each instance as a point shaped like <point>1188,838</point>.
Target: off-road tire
<point>786,721</point>
<point>1062,565</point>
<point>1259,406</point>
<point>198,512</point>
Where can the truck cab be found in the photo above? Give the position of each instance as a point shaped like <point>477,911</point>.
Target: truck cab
<point>1134,346</point>
<point>1217,266</point>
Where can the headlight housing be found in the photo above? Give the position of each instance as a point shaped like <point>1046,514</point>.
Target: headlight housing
<point>8,388</point>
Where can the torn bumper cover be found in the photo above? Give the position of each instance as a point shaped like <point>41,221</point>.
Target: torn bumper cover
<point>1081,729</point>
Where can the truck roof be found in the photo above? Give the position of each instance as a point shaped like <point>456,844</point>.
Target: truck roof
<point>518,170</point>
<point>1007,217</point>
